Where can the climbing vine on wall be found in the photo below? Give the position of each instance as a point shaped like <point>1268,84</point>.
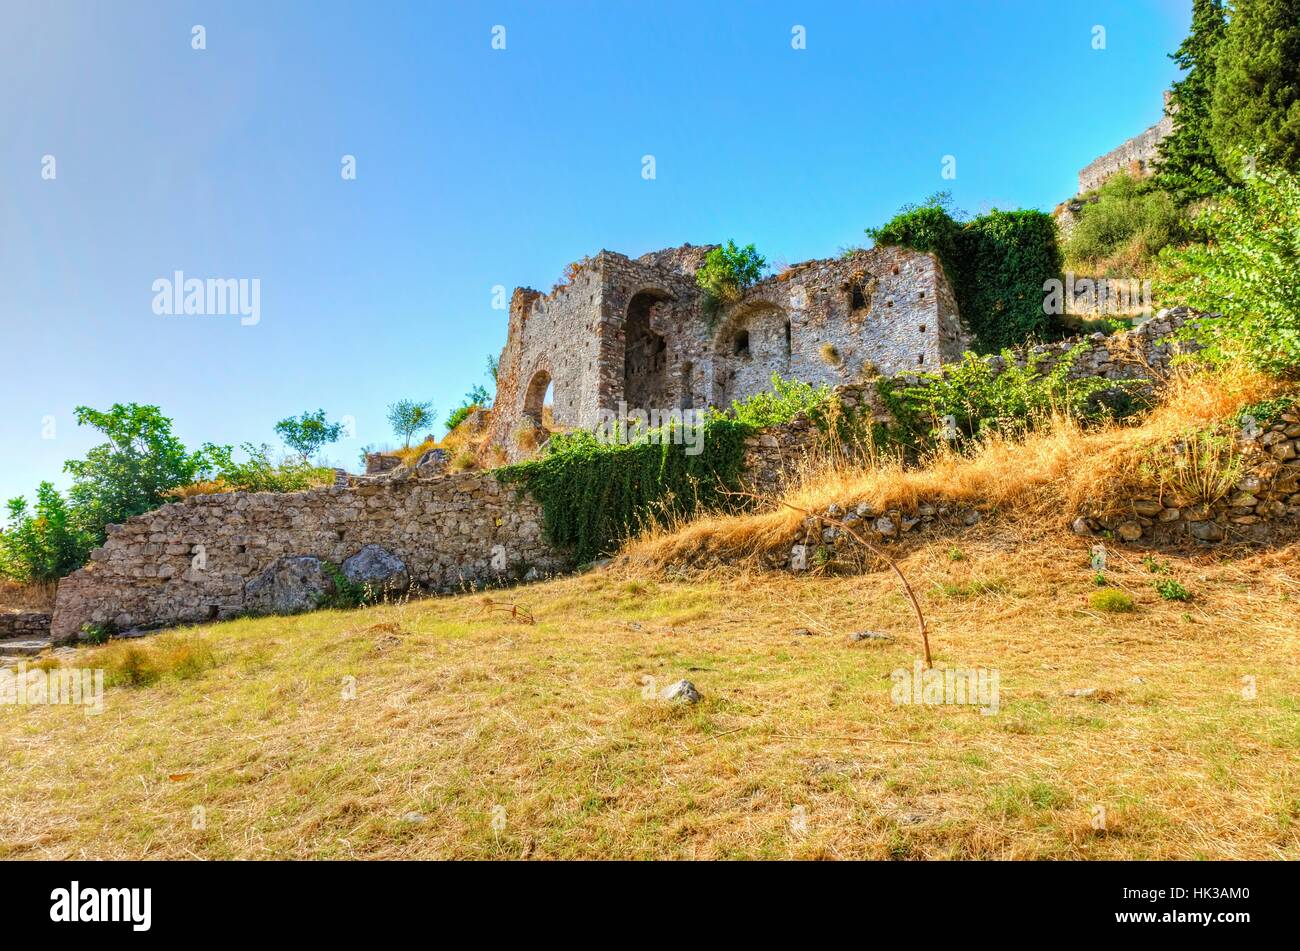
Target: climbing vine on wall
<point>595,494</point>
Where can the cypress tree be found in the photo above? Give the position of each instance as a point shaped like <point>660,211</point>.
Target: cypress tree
<point>1188,168</point>
<point>1256,107</point>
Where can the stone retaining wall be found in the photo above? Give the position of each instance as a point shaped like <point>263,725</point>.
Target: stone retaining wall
<point>1265,500</point>
<point>24,624</point>
<point>212,556</point>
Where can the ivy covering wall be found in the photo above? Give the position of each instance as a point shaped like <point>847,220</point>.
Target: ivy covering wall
<point>595,494</point>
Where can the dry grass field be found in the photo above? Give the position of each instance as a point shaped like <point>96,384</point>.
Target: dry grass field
<point>473,734</point>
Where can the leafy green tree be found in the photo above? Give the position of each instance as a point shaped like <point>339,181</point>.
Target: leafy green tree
<point>406,416</point>
<point>1188,168</point>
<point>44,545</point>
<point>309,433</point>
<point>1246,272</point>
<point>130,473</point>
<point>728,270</point>
<point>1256,109</point>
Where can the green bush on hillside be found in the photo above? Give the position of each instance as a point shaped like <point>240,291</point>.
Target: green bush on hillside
<point>997,264</point>
<point>971,399</point>
<point>786,399</point>
<point>1247,271</point>
<point>726,272</point>
<point>1120,234</point>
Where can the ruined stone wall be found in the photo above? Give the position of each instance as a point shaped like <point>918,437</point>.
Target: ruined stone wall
<point>1136,156</point>
<point>887,310</point>
<point>1145,353</point>
<point>633,334</point>
<point>199,559</point>
<point>24,624</point>
<point>212,556</point>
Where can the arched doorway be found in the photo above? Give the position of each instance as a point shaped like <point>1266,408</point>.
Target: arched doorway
<point>535,397</point>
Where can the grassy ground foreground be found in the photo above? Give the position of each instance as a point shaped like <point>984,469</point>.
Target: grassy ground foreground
<point>1172,731</point>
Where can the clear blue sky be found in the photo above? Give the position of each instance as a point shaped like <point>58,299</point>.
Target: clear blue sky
<point>477,167</point>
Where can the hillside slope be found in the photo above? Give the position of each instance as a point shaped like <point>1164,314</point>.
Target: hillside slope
<point>474,734</point>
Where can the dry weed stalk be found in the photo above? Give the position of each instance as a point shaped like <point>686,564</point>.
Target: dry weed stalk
<point>521,614</point>
<point>839,523</point>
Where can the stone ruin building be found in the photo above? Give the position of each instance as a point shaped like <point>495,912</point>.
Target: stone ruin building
<point>1137,157</point>
<point>634,334</point>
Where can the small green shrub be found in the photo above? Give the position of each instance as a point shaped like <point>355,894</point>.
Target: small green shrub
<point>477,397</point>
<point>1171,590</point>
<point>1265,412</point>
<point>347,594</point>
<point>1111,601</point>
<point>95,633</point>
<point>1155,566</point>
<point>979,400</point>
<point>786,400</point>
<point>727,271</point>
<point>257,474</point>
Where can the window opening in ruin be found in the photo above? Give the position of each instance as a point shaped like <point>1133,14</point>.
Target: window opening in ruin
<point>539,387</point>
<point>858,299</point>
<point>688,395</point>
<point>920,358</point>
<point>645,356</point>
<point>787,339</point>
<point>741,346</point>
<point>923,328</point>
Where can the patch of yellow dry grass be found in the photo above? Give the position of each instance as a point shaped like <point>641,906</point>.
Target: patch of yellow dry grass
<point>1051,474</point>
<point>26,597</point>
<point>436,730</point>
<point>461,443</point>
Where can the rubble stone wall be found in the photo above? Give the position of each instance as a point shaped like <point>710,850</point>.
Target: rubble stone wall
<point>1136,156</point>
<point>193,560</point>
<point>24,624</point>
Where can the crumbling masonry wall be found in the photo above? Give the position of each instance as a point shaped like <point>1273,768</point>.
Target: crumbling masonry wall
<point>634,334</point>
<point>1137,156</point>
<point>193,560</point>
